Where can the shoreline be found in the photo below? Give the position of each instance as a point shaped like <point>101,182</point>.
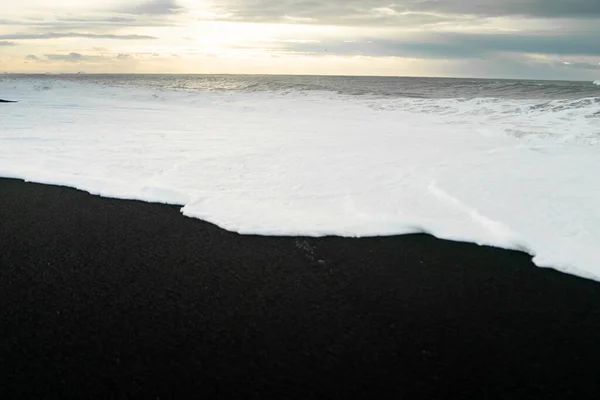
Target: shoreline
<point>118,298</point>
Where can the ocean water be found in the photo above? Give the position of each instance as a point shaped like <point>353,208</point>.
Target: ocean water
<point>512,164</point>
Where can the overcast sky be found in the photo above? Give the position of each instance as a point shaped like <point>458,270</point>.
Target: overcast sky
<point>545,39</point>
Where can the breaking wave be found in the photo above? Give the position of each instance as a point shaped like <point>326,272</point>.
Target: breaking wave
<point>512,171</point>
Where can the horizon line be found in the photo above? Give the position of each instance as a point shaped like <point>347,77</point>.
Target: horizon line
<point>303,75</point>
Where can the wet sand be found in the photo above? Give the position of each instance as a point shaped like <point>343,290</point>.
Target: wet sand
<point>104,298</point>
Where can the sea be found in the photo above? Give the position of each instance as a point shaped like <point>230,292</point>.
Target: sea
<point>508,163</point>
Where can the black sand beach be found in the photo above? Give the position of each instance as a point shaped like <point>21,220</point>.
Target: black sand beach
<point>113,299</point>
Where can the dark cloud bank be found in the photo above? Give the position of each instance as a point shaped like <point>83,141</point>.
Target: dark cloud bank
<point>328,11</point>
<point>577,34</point>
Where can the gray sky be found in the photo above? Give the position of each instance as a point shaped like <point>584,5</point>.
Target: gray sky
<point>545,39</point>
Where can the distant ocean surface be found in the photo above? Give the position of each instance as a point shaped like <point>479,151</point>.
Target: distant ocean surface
<point>420,88</point>
<point>509,163</point>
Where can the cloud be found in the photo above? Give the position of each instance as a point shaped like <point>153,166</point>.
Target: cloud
<point>118,20</point>
<point>457,46</point>
<point>72,57</point>
<point>75,57</point>
<point>153,7</point>
<point>56,35</point>
<point>78,57</point>
<point>527,8</point>
<point>546,44</point>
<point>388,48</point>
<point>92,21</point>
<point>353,12</point>
<point>580,65</point>
<point>4,43</point>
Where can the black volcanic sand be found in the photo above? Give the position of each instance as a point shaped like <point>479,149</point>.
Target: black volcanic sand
<point>113,299</point>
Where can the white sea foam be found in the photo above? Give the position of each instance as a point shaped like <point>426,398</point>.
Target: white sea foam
<point>513,174</point>
<point>597,83</point>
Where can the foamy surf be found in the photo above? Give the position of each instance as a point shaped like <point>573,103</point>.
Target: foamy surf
<point>512,173</point>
